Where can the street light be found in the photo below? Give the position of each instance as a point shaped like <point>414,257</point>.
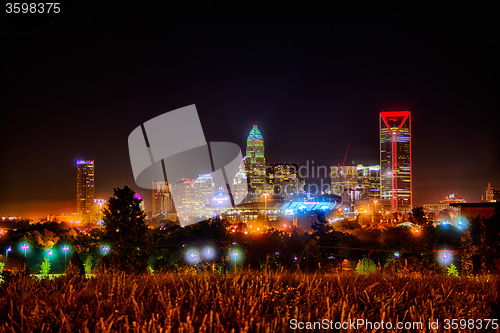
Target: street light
<point>235,254</point>
<point>100,203</point>
<point>208,253</point>
<point>25,247</point>
<point>7,253</point>
<point>265,202</point>
<point>445,257</point>
<point>374,210</point>
<point>65,249</point>
<point>193,256</point>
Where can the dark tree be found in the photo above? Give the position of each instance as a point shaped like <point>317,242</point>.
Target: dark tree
<point>15,270</point>
<point>419,217</point>
<point>126,231</point>
<point>17,264</point>
<point>319,222</point>
<point>75,266</point>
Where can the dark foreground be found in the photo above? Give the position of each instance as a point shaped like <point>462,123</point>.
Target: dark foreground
<point>245,302</point>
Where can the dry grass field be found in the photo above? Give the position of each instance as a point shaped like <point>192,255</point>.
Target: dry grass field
<point>246,302</point>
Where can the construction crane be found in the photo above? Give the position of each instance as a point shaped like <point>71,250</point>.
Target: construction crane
<point>345,156</point>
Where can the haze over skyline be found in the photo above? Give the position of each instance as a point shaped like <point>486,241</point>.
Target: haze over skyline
<point>77,84</point>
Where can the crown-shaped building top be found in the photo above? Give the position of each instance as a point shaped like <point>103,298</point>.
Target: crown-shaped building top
<point>255,134</point>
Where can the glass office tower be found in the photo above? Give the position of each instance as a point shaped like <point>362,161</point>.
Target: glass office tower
<point>395,159</point>
<point>255,163</point>
<point>84,187</point>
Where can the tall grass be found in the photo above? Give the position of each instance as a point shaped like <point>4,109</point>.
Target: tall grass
<point>246,302</point>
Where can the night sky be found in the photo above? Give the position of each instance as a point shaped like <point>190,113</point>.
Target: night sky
<point>75,85</point>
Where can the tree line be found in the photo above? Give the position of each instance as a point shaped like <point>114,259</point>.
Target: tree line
<point>127,244</point>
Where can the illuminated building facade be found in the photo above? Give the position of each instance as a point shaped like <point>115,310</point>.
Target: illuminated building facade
<point>344,180</point>
<point>255,163</point>
<point>492,194</point>
<point>255,211</point>
<point>433,210</point>
<point>240,185</point>
<point>354,183</point>
<point>162,203</point>
<point>85,187</point>
<point>395,159</point>
<point>284,180</point>
<point>368,181</point>
<point>193,196</point>
<point>99,206</point>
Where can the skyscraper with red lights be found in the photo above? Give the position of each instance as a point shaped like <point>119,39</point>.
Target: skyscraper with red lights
<point>395,159</point>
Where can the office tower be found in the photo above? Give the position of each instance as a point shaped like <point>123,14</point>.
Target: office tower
<point>354,183</point>
<point>240,185</point>
<point>368,181</point>
<point>283,180</point>
<point>84,187</point>
<point>255,162</point>
<point>344,180</point>
<point>162,202</point>
<point>492,194</point>
<point>193,196</point>
<point>395,159</point>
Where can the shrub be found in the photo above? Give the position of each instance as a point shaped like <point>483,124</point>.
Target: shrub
<point>452,271</point>
<point>366,266</point>
<point>88,265</point>
<point>45,266</point>
<point>162,265</point>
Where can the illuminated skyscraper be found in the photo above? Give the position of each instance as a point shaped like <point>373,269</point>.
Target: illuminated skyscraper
<point>492,194</point>
<point>84,187</point>
<point>395,159</point>
<point>284,180</point>
<point>368,181</point>
<point>193,196</point>
<point>354,183</point>
<point>344,180</point>
<point>255,163</point>
<point>240,185</point>
<point>162,199</point>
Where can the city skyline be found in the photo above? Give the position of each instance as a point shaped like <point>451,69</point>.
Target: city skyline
<point>313,82</point>
<point>85,171</point>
